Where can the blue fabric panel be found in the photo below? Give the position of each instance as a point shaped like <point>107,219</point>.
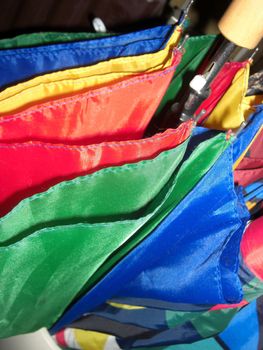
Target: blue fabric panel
<point>24,63</point>
<point>200,227</point>
<point>186,283</point>
<point>147,318</point>
<point>242,332</point>
<point>127,269</point>
<point>182,334</point>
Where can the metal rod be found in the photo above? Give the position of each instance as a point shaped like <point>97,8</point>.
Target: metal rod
<point>200,85</point>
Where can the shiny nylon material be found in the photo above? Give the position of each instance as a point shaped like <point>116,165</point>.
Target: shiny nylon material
<point>228,113</point>
<point>45,250</point>
<point>206,323</point>
<point>42,38</point>
<point>196,49</point>
<point>62,83</point>
<point>108,194</point>
<point>219,86</point>
<point>205,285</point>
<point>48,164</point>
<point>25,63</point>
<point>250,169</point>
<point>226,228</point>
<point>81,118</point>
<point>251,247</point>
<point>112,274</point>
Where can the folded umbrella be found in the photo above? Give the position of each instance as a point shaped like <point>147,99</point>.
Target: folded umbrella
<point>80,119</point>
<point>234,108</point>
<point>24,63</point>
<point>102,209</point>
<point>183,326</point>
<point>42,165</point>
<point>219,87</point>
<point>195,50</point>
<point>108,280</point>
<point>58,84</point>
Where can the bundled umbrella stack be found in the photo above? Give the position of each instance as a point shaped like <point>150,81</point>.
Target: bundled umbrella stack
<point>120,227</point>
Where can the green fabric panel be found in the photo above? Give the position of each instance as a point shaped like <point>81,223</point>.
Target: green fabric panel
<point>192,170</point>
<point>35,39</point>
<point>196,49</point>
<point>253,289</point>
<point>176,318</point>
<point>115,193</point>
<point>38,273</point>
<point>213,322</point>
<point>42,273</point>
<point>206,344</point>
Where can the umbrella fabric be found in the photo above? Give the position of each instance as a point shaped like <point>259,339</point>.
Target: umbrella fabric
<point>193,169</point>
<point>38,257</point>
<point>25,63</point>
<point>110,284</point>
<point>196,48</point>
<point>209,277</point>
<point>219,86</point>
<point>250,169</point>
<point>185,326</point>
<point>59,84</point>
<point>153,285</point>
<point>43,165</point>
<point>251,247</point>
<point>104,195</point>
<point>56,121</point>
<point>243,330</point>
<point>41,38</point>
<point>228,106</point>
<point>253,194</point>
<point>234,106</point>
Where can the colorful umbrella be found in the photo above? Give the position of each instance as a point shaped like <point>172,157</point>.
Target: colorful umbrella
<point>24,63</point>
<point>183,326</point>
<point>48,164</point>
<point>55,121</point>
<point>132,263</point>
<point>57,84</point>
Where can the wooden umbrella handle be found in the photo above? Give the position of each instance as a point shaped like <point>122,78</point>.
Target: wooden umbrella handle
<point>242,23</point>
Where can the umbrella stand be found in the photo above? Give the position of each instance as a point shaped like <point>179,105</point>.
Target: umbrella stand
<point>241,26</point>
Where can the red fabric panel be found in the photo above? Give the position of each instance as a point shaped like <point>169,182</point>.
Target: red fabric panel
<point>228,306</point>
<point>29,168</point>
<point>119,111</point>
<point>252,247</point>
<point>60,338</point>
<point>250,168</point>
<point>219,86</point>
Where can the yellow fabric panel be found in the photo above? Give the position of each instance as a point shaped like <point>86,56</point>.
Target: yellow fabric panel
<point>89,340</point>
<point>62,83</point>
<point>249,103</point>
<point>250,205</point>
<point>229,112</point>
<point>125,306</point>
